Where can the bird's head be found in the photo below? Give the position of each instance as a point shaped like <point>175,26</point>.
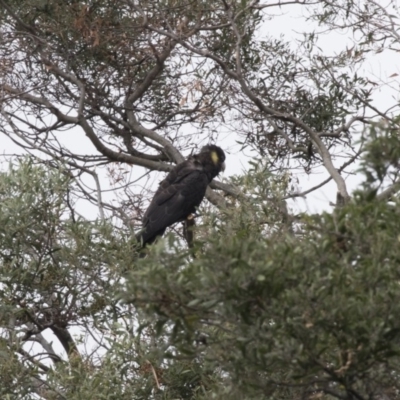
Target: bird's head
<point>214,157</point>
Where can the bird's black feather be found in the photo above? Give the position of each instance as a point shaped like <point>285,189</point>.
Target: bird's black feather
<point>181,192</point>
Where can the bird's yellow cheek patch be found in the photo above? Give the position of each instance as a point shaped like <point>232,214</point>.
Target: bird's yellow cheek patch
<point>214,157</point>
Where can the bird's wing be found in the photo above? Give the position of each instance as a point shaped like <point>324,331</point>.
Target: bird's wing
<point>174,200</point>
<point>176,180</point>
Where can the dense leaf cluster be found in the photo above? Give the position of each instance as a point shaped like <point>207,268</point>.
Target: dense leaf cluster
<point>288,315</point>
<point>261,308</point>
<point>267,304</point>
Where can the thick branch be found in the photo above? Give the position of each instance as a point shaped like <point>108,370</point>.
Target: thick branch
<point>152,75</point>
<point>66,340</point>
<point>389,192</point>
<point>41,101</point>
<point>172,152</point>
<point>120,157</point>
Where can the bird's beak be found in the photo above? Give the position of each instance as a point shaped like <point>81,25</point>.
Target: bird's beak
<point>223,167</point>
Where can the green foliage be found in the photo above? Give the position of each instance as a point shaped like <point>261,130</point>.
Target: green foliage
<point>285,315</point>
<point>382,152</point>
<point>57,271</point>
<point>278,315</point>
<point>267,305</point>
<point>263,311</point>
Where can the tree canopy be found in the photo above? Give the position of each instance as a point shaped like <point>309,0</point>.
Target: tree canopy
<point>101,98</point>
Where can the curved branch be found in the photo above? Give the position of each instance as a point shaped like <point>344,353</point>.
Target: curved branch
<point>237,75</point>
<point>119,157</point>
<point>66,340</point>
<point>41,101</point>
<point>389,192</point>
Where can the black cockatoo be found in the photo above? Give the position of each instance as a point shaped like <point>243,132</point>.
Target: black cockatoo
<point>181,192</point>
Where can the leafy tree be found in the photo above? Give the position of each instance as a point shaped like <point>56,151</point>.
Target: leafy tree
<point>139,84</point>
<point>267,303</point>
<point>279,314</point>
